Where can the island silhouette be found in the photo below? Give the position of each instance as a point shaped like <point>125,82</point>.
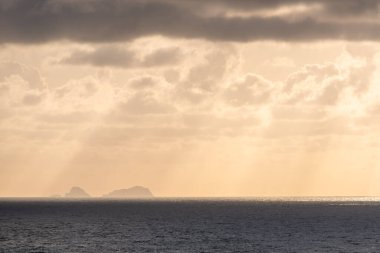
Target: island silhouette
<point>77,192</point>
<point>132,192</point>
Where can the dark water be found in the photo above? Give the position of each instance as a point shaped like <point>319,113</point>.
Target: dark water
<point>189,226</point>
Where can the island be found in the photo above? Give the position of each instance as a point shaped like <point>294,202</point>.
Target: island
<point>133,192</point>
<point>77,192</point>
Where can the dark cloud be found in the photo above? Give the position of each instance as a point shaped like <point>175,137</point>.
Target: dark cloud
<point>104,56</point>
<point>328,7</point>
<point>115,56</point>
<point>37,21</point>
<point>163,56</point>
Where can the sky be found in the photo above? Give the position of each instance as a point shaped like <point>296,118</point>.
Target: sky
<point>199,98</point>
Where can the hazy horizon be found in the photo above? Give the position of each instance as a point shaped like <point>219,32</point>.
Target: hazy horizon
<point>190,98</point>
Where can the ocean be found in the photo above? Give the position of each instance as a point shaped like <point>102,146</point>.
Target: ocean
<point>190,225</point>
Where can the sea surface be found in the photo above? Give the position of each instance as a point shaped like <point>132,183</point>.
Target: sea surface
<point>190,225</point>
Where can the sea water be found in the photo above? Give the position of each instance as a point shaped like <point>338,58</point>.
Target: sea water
<point>190,225</point>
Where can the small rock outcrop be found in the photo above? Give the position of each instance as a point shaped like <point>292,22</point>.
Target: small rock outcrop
<point>77,192</point>
<point>133,192</point>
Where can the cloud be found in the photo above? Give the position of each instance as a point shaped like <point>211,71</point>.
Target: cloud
<point>144,82</point>
<point>143,96</point>
<point>145,103</point>
<point>253,90</point>
<point>85,94</point>
<point>230,104</point>
<point>348,7</point>
<point>325,84</point>
<point>104,56</point>
<point>30,75</point>
<point>116,56</point>
<point>204,78</point>
<point>32,99</point>
<point>38,21</point>
<point>20,86</point>
<point>162,57</point>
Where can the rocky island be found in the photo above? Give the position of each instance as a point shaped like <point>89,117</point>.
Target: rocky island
<point>77,192</point>
<point>133,192</point>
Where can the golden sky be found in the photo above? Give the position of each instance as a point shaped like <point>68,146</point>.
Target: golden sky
<point>190,98</point>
